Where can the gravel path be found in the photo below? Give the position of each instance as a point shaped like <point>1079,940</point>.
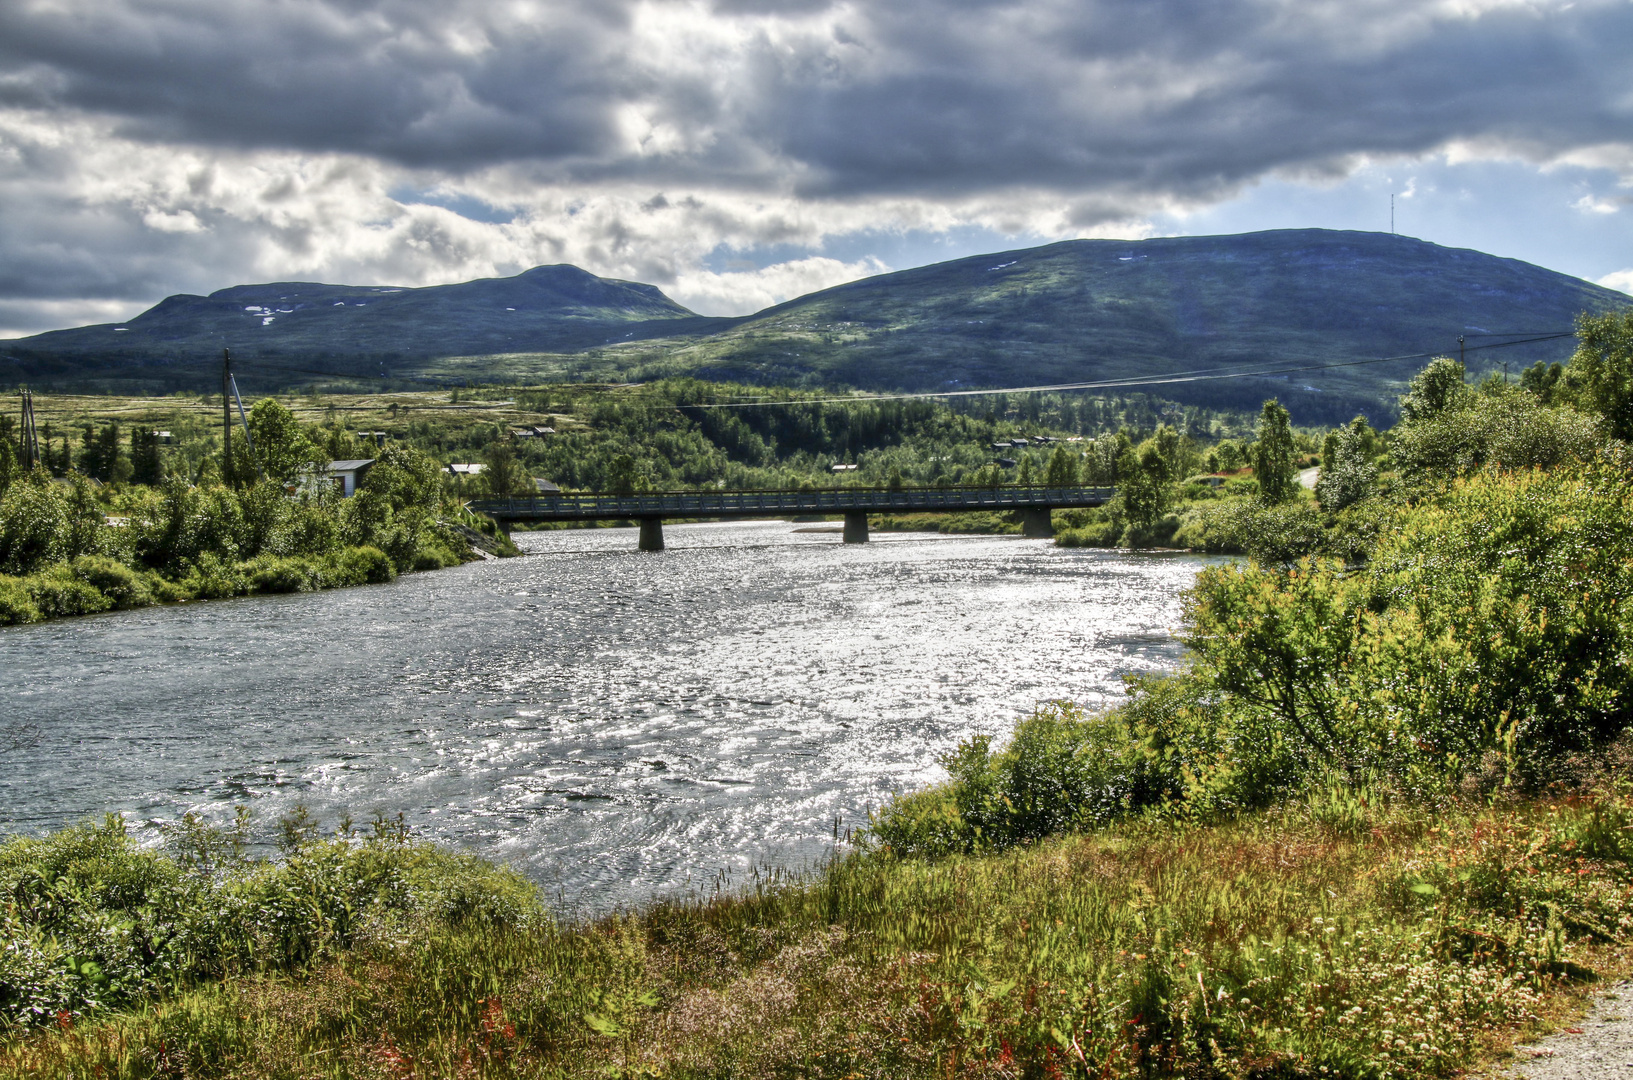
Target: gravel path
<point>1599,1047</point>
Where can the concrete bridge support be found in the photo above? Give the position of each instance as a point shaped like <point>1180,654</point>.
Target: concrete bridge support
<point>651,534</point>
<point>1037,521</point>
<point>856,527</point>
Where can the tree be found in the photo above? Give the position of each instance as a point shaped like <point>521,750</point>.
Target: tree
<point>1434,390</point>
<point>1542,379</point>
<point>147,467</point>
<point>1347,474</point>
<point>1062,468</point>
<point>1143,484</point>
<point>1273,464</point>
<point>9,466</point>
<point>281,444</point>
<point>1601,369</point>
<point>624,475</point>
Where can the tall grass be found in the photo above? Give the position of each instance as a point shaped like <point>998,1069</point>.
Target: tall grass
<point>1341,936</point>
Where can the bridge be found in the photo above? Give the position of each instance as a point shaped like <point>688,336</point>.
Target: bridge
<point>651,507</point>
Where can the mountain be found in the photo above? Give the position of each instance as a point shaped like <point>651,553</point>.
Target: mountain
<point>1073,311</point>
<point>1103,309</point>
<point>365,328</point>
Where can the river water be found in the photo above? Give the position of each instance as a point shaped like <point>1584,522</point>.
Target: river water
<point>616,724</point>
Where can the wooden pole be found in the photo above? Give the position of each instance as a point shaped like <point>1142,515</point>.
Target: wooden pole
<point>226,417</point>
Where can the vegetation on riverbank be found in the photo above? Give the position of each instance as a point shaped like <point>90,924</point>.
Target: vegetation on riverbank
<point>76,547</point>
<point>1379,826</point>
<point>1349,933</point>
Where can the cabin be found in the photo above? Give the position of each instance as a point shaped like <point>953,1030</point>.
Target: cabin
<point>346,475</point>
<point>466,472</point>
<point>545,487</point>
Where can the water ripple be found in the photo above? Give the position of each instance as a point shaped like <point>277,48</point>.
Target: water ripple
<point>614,723</point>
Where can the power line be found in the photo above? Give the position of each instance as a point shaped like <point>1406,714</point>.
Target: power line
<point>1198,375</point>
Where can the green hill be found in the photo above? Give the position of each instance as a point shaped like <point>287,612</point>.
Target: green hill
<point>362,330</point>
<point>1102,309</point>
<point>1073,311</point>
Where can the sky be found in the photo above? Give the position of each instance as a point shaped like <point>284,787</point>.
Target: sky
<point>737,153</point>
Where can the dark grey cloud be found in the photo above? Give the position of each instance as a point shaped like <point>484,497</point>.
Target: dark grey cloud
<point>151,146</point>
<point>886,96</point>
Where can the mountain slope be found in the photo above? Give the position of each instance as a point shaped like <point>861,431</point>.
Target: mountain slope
<point>549,308</point>
<point>1102,309</point>
<point>1067,312</point>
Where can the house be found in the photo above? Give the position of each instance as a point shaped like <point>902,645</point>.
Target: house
<point>347,474</point>
<point>465,472</point>
<point>545,487</point>
<point>844,468</point>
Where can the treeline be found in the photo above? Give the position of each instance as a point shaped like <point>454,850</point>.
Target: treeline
<point>1450,615</point>
<point>685,433</point>
<point>272,523</point>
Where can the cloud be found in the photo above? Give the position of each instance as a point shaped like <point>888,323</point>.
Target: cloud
<point>735,292</point>
<point>1621,280</point>
<point>1599,204</point>
<point>148,146</point>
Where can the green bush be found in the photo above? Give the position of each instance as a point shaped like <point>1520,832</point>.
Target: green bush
<point>34,526</point>
<point>93,920</point>
<point>212,578</point>
<point>124,587</point>
<point>16,605</point>
<point>1489,620</point>
<point>1159,533</point>
<point>58,592</point>
<point>1103,534</point>
<point>1063,769</point>
<point>362,566</point>
<point>291,575</point>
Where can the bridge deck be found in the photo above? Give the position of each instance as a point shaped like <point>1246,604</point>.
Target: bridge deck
<point>741,504</point>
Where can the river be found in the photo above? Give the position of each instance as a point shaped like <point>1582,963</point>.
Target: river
<point>615,724</point>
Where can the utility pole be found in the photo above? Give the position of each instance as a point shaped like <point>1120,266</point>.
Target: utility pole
<point>1460,348</point>
<point>226,417</point>
<point>28,437</point>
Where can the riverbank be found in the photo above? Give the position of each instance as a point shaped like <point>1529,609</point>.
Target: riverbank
<point>1323,938</point>
<point>91,583</point>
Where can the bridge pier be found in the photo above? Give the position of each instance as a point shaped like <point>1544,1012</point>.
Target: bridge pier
<point>1037,521</point>
<point>651,534</point>
<point>856,527</point>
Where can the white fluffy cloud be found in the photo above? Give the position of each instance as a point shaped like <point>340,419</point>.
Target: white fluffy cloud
<point>152,146</point>
<point>1621,280</point>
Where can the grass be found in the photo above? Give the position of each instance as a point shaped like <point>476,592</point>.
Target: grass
<point>1340,937</point>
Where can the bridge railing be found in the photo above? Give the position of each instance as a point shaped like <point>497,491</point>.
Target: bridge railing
<point>748,503</point>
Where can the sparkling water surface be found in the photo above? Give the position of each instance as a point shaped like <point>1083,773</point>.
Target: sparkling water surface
<point>616,724</point>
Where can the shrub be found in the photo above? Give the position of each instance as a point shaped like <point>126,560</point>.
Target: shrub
<point>16,605</point>
<point>362,565</point>
<point>1063,769</point>
<point>211,578</point>
<point>34,526</point>
<point>1159,533</point>
<point>59,592</point>
<point>124,587</point>
<point>1488,620</point>
<point>273,575</point>
<point>1103,534</point>
<point>94,920</point>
